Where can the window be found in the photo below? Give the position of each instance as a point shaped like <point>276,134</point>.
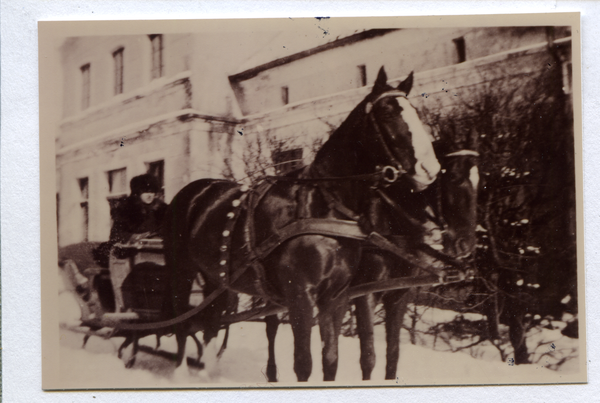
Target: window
<point>287,161</point>
<point>285,95</point>
<point>118,60</point>
<point>461,51</point>
<point>157,55</point>
<point>117,188</point>
<point>83,204</point>
<point>117,182</point>
<point>362,75</point>
<point>85,86</point>
<point>157,169</point>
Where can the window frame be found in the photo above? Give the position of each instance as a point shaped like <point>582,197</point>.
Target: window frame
<point>118,59</point>
<point>86,85</point>
<point>156,56</point>
<point>84,193</point>
<point>161,174</point>
<point>285,95</point>
<point>109,176</point>
<point>461,49</point>
<point>285,161</point>
<point>362,75</point>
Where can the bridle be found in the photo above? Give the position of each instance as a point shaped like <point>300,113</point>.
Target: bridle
<point>391,172</point>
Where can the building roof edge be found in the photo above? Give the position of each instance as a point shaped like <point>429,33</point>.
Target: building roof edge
<point>254,71</point>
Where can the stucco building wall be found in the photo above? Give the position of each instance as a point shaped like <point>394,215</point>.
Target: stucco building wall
<point>302,124</point>
<point>400,51</point>
<point>152,120</point>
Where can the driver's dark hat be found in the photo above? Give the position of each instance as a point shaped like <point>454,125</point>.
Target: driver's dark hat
<point>144,184</point>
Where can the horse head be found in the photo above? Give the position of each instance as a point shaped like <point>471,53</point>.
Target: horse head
<point>382,134</point>
<point>432,209</point>
<point>457,199</point>
<point>431,191</point>
<point>399,138</point>
<point>439,185</point>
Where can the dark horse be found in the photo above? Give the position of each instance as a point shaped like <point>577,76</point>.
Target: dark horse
<point>447,212</point>
<point>297,241</point>
<point>440,219</point>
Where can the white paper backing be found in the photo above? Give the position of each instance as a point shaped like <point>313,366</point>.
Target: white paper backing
<point>20,209</point>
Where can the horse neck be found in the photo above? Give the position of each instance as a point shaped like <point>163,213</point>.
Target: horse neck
<point>343,153</point>
<point>335,159</point>
<point>342,157</point>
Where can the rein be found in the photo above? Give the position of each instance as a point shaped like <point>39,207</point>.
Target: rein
<point>331,227</point>
<point>387,173</point>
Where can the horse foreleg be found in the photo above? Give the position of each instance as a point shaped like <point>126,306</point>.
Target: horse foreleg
<point>395,304</point>
<point>224,344</point>
<point>330,324</point>
<point>85,340</point>
<point>365,314</point>
<point>272,322</point>
<point>301,319</point>
<point>181,339</point>
<point>136,346</point>
<point>127,342</point>
<point>199,347</point>
<point>516,333</point>
<point>198,364</point>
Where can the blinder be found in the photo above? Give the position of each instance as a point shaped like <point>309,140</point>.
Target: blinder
<point>389,173</point>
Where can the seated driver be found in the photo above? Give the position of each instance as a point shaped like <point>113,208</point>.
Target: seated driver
<point>138,216</point>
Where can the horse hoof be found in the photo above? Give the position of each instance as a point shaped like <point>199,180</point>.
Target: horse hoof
<point>130,363</point>
<point>271,375</point>
<point>196,364</point>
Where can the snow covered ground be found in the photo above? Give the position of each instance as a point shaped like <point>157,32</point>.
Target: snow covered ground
<point>244,362</point>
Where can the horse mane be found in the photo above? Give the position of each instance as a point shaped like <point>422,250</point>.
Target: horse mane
<point>345,136</point>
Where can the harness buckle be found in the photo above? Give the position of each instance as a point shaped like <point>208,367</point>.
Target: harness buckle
<point>390,174</point>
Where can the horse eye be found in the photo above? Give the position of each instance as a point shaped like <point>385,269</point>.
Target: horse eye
<point>389,110</point>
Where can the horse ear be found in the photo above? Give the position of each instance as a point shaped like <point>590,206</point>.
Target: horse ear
<point>406,85</point>
<point>381,81</point>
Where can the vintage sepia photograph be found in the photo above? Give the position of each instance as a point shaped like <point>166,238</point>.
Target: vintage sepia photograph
<point>312,202</point>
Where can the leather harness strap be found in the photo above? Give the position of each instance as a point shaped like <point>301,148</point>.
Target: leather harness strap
<point>227,235</point>
<point>260,284</point>
<point>342,229</point>
<point>337,205</point>
<point>310,226</point>
<point>304,226</point>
